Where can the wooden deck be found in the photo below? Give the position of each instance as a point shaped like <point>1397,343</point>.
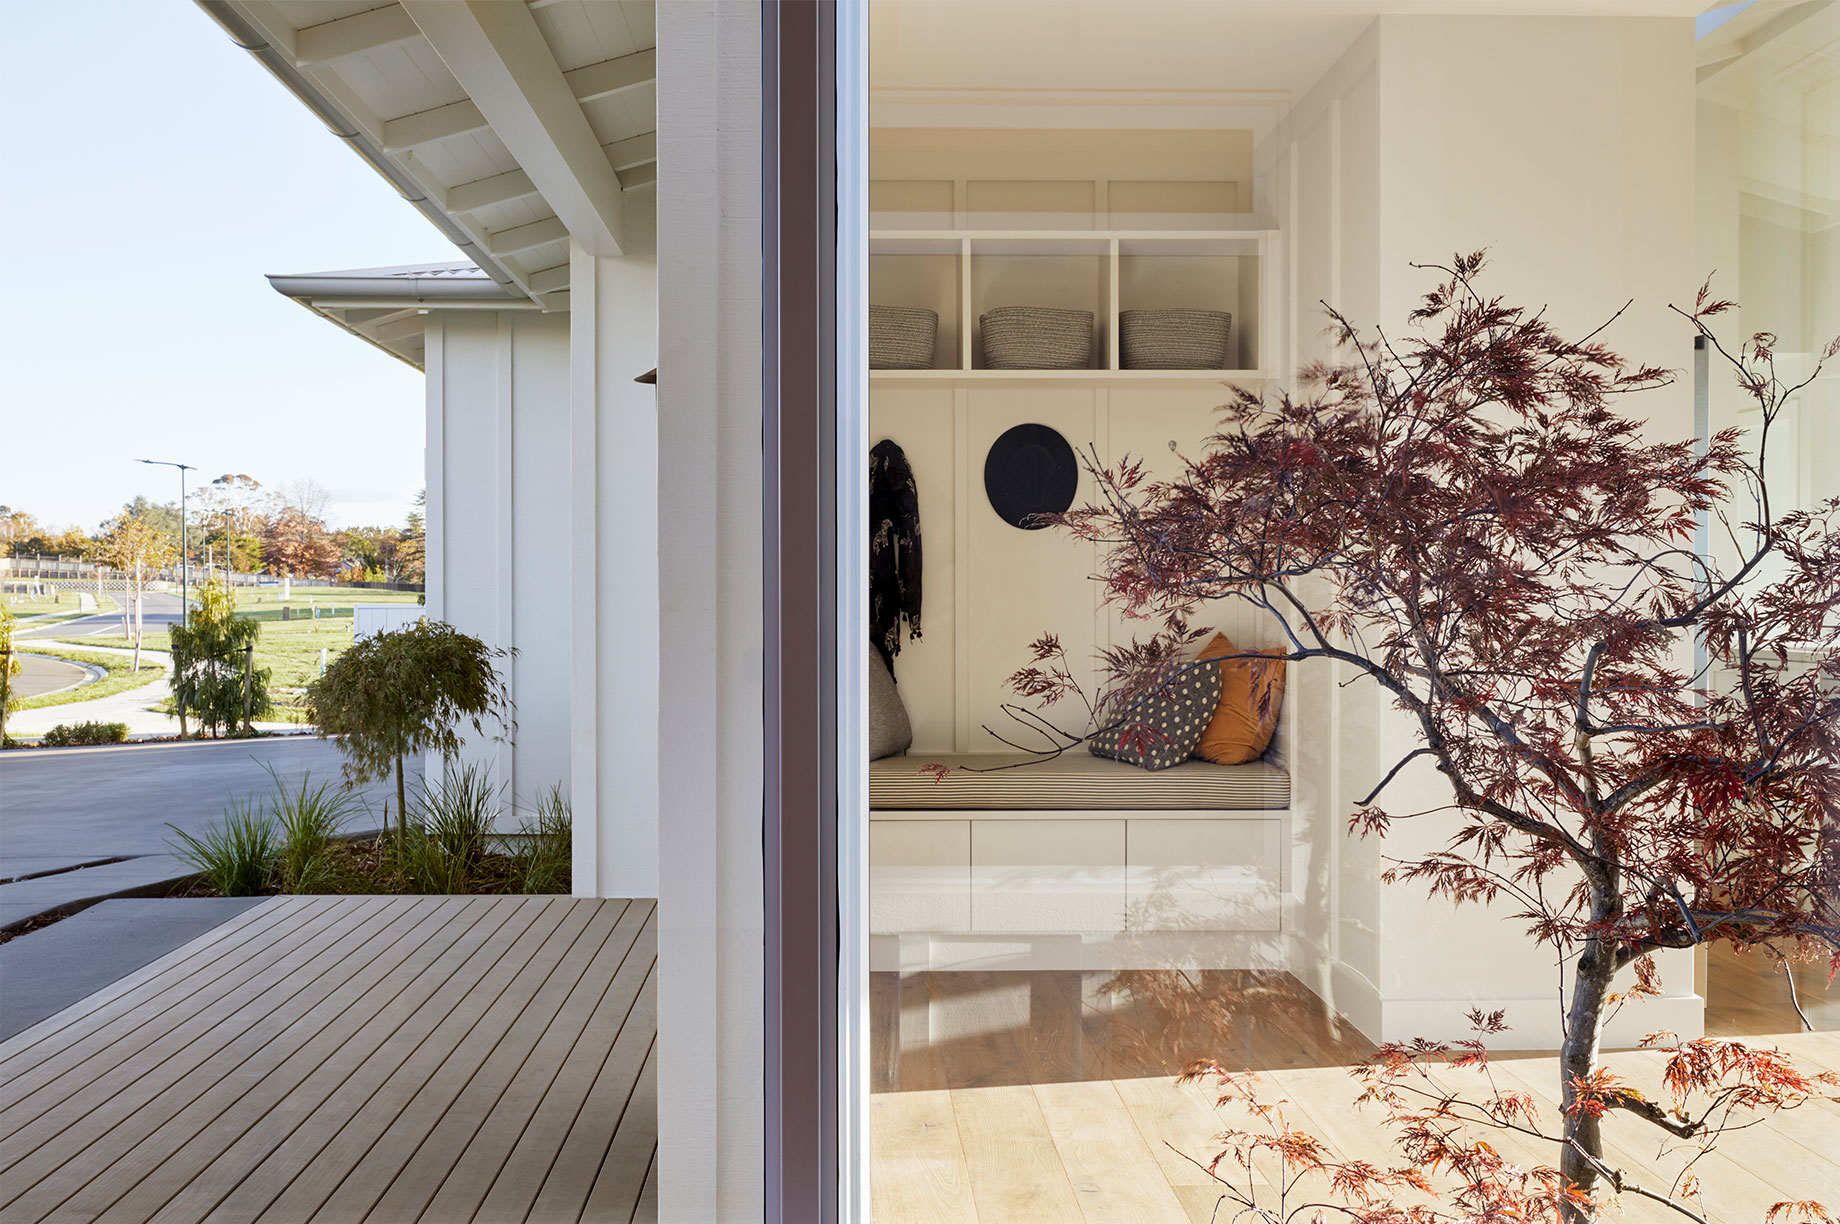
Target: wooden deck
<point>352,1058</point>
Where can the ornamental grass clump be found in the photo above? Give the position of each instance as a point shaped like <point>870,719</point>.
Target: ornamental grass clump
<point>444,849</point>
<point>234,855</point>
<point>308,818</point>
<point>543,848</point>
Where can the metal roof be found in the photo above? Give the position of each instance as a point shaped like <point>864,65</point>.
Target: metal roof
<point>388,306</point>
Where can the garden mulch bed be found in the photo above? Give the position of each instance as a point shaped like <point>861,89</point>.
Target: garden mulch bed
<point>362,867</point>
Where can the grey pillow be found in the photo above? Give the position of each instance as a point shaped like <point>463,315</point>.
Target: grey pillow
<point>889,731</point>
<point>1163,726</point>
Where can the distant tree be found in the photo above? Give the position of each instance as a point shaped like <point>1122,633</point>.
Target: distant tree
<point>230,517</point>
<point>161,517</point>
<point>9,666</point>
<point>22,535</point>
<point>370,551</point>
<point>15,526</point>
<point>411,547</point>
<point>295,543</point>
<point>408,691</point>
<point>208,660</point>
<point>137,548</point>
<point>306,496</point>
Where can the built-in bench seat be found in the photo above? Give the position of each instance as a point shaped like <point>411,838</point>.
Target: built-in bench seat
<point>1072,782</point>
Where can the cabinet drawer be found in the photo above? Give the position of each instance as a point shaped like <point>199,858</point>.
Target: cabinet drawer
<point>919,876</point>
<point>1047,875</point>
<point>1213,875</point>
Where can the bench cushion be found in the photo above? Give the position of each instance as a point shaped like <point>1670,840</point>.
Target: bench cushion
<point>1073,781</point>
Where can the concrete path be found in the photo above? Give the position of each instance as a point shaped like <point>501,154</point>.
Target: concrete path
<point>131,706</point>
<point>41,674</point>
<point>63,812</point>
<point>47,970</point>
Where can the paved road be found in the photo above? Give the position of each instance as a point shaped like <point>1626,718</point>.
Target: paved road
<point>158,609</point>
<point>62,808</point>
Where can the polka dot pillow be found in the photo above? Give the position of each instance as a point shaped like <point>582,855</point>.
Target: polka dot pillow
<point>1162,726</point>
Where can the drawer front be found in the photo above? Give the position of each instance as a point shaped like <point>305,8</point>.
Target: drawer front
<point>1047,875</point>
<point>1204,875</point>
<point>919,876</point>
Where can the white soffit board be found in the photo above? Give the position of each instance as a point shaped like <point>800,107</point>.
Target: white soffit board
<point>564,124</point>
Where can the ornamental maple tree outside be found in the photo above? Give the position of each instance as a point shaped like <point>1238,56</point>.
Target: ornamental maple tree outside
<point>1464,515</point>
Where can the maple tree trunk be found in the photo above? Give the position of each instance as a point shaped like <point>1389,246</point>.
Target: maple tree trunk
<point>1578,1059</point>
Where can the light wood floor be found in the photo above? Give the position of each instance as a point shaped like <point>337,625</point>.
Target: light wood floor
<point>1012,1097</point>
<point>985,1029</point>
<point>1747,995</point>
<point>1114,1150</point>
<point>345,1059</point>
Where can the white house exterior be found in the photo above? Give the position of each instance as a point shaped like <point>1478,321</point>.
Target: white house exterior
<point>599,165</point>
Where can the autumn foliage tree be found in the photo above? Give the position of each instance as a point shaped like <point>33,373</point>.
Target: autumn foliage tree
<point>1464,515</point>
<point>295,542</point>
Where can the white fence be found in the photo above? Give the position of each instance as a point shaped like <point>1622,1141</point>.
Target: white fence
<point>383,618</point>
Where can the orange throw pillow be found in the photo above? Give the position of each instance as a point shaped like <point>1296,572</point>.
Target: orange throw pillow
<point>1240,730</point>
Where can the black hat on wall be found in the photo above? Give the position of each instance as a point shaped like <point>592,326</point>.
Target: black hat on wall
<point>1030,471</point>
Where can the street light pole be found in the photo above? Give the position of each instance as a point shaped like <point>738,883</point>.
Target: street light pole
<point>184,599</point>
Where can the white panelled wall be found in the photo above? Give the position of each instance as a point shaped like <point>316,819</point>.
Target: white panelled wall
<point>498,560</point>
<point>1565,146</point>
<point>543,538</point>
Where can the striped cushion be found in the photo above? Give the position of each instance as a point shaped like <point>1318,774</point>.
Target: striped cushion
<point>1072,782</point>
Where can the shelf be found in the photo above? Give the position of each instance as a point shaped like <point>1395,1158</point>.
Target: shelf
<point>962,274</point>
<point>1173,242</point>
<point>1091,378</point>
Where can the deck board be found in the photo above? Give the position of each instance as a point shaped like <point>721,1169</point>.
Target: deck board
<point>307,1057</point>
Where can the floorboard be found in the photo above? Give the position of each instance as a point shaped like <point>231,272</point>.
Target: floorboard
<point>316,1056</point>
<point>1015,1096</point>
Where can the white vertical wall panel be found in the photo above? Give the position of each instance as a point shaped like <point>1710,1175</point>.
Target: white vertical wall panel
<point>498,497</point>
<point>1022,583</point>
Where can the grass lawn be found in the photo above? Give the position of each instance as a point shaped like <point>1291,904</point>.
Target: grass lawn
<point>291,649</point>
<point>257,599</point>
<point>63,601</point>
<point>121,676</point>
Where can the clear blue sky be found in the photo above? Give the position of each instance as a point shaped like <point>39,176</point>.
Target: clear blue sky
<point>153,174</point>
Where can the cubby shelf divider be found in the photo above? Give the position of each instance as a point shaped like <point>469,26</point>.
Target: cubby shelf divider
<point>1108,271</point>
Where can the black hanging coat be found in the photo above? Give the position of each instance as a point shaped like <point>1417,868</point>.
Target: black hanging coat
<point>894,550</point>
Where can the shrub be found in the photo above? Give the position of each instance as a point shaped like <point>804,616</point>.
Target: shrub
<point>233,855</point>
<point>208,660</point>
<point>407,691</point>
<point>544,847</point>
<point>67,735</point>
<point>307,818</point>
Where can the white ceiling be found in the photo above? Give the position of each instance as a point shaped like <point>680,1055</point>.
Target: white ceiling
<point>1164,45</point>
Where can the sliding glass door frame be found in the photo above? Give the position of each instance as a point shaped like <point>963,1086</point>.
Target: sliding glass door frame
<point>814,385</point>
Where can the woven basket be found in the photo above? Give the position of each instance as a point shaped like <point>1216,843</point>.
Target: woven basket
<point>1036,338</point>
<point>1174,339</point>
<point>901,338</point>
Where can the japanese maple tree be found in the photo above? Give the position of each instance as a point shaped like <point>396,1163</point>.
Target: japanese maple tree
<point>1466,514</point>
